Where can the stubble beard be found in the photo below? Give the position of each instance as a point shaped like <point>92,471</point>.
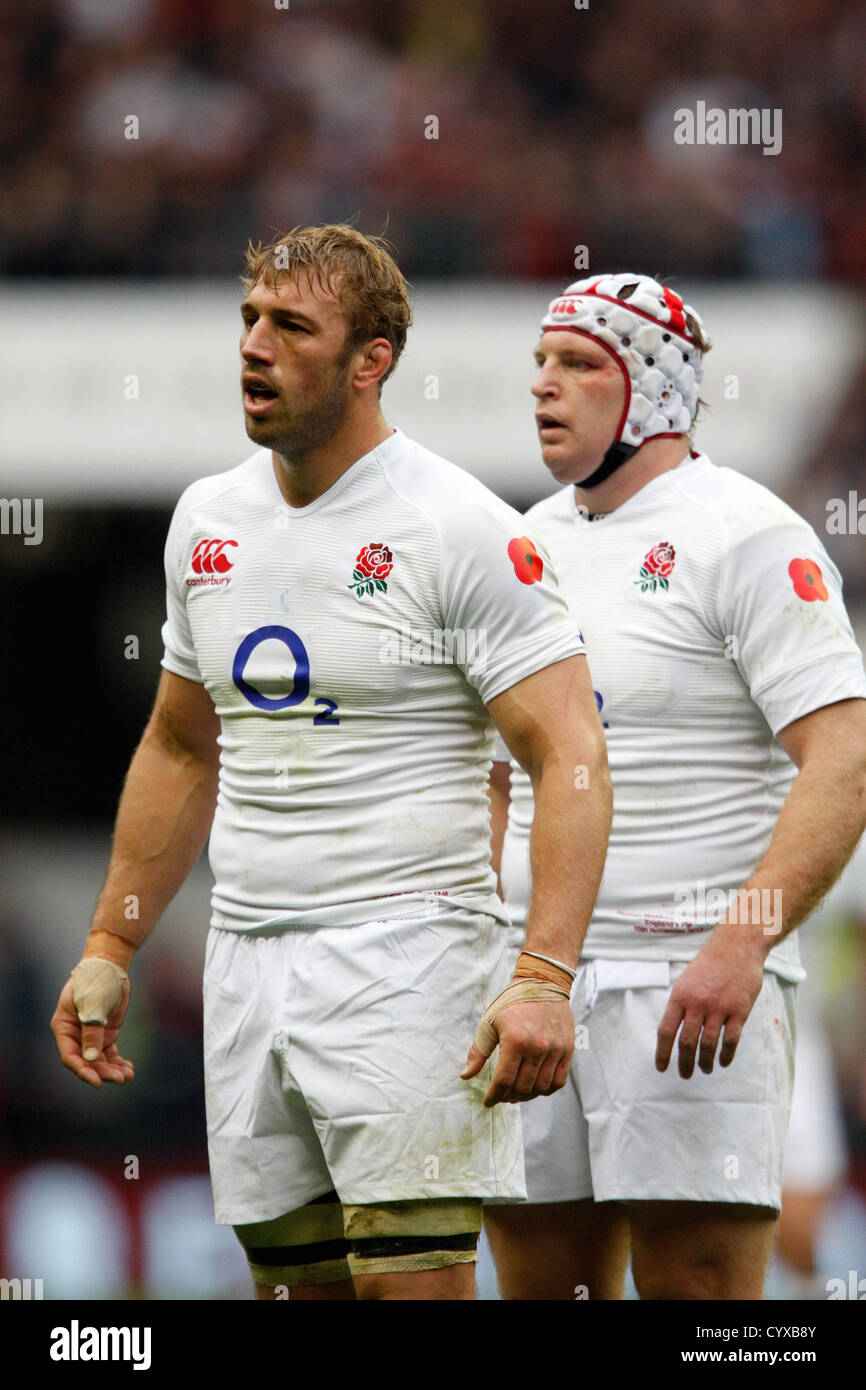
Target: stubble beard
<point>310,427</point>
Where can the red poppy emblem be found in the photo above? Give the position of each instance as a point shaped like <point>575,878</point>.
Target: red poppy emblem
<point>528,564</point>
<point>808,580</point>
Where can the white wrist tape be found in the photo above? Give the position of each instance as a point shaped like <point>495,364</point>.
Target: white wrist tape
<point>560,965</point>
<point>518,992</point>
<point>97,989</point>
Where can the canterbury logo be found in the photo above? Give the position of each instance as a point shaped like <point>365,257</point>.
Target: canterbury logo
<point>209,557</point>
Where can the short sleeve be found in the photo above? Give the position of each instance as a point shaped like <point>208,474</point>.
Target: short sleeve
<point>499,588</point>
<point>179,655</point>
<point>784,620</point>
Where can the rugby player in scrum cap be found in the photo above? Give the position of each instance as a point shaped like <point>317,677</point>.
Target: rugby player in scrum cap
<point>346,612</point>
<point>732,694</point>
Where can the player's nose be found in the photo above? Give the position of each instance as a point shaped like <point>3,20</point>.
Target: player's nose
<point>543,385</point>
<point>256,345</point>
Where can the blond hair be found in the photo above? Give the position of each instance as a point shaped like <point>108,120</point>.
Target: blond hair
<point>703,345</point>
<point>358,270</point>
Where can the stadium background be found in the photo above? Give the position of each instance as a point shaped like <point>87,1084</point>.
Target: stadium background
<point>118,382</point>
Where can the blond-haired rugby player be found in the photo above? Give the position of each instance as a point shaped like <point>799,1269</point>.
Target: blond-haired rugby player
<point>345,613</point>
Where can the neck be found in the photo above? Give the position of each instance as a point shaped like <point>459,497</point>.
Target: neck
<point>302,478</point>
<point>655,457</point>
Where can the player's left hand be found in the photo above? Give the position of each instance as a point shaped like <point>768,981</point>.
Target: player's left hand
<point>716,991</point>
<point>536,1042</point>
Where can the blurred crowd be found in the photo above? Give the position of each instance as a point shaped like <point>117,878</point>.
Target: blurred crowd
<point>492,138</point>
<point>554,128</point>
<point>830,494</point>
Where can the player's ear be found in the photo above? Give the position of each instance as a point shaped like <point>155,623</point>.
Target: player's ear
<point>374,359</point>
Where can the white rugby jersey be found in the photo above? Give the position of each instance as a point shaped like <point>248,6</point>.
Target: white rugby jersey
<point>713,617</point>
<point>350,647</point>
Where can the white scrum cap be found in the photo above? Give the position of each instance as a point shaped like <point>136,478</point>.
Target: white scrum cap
<point>643,325</point>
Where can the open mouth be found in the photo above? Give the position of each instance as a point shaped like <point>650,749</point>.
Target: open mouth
<point>257,397</point>
<point>547,425</point>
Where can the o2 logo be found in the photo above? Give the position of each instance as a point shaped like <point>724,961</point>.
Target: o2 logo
<point>300,684</point>
<point>599,702</point>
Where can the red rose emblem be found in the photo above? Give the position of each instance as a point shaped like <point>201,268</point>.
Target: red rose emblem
<point>373,564</point>
<point>375,561</point>
<point>528,564</point>
<point>808,580</point>
<point>660,560</point>
<point>657,567</point>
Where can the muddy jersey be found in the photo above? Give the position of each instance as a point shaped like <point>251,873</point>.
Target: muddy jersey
<point>350,648</point>
<point>713,618</point>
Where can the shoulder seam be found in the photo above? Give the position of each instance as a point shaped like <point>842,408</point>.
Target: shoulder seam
<point>722,527</point>
<point>228,481</point>
<point>181,519</point>
<point>416,506</point>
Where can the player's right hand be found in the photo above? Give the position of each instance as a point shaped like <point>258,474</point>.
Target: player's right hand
<point>75,1038</point>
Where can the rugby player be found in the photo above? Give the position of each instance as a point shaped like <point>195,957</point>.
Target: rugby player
<point>732,694</point>
<point>346,612</point>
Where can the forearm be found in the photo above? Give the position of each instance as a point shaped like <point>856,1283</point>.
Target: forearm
<point>162,825</point>
<point>567,848</point>
<point>817,831</point>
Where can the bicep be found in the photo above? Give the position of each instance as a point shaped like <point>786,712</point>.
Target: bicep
<point>546,711</point>
<point>184,718</point>
<point>835,733</point>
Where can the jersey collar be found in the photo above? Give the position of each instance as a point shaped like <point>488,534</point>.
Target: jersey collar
<point>389,447</point>
<point>648,493</point>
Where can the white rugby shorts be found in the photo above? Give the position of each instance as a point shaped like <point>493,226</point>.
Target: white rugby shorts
<point>333,1060</point>
<point>621,1131</point>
